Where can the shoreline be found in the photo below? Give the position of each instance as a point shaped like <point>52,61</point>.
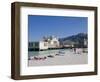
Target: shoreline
<point>67,58</point>
<point>37,49</point>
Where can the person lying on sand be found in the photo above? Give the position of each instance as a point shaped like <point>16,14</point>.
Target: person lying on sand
<point>59,54</point>
<point>39,58</point>
<point>51,56</point>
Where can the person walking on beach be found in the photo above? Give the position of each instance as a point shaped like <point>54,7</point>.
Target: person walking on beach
<point>74,50</point>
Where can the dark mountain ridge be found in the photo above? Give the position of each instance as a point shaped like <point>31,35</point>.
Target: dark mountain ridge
<point>77,39</point>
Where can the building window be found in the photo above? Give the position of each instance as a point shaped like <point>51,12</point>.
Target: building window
<point>36,44</point>
<point>30,44</point>
<point>45,44</point>
<point>55,42</point>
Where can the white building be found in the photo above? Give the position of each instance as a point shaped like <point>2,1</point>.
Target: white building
<point>43,45</point>
<point>53,42</point>
<point>46,43</point>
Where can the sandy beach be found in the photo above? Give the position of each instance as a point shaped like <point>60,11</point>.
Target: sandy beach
<point>67,58</point>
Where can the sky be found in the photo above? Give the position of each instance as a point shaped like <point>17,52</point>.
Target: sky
<point>58,26</point>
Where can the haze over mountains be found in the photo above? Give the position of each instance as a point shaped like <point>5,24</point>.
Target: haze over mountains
<point>74,39</point>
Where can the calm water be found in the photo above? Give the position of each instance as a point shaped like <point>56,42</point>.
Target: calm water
<point>47,52</point>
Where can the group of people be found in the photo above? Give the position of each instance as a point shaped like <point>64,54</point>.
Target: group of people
<point>78,50</point>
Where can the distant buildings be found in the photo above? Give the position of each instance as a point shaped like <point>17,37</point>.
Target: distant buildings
<point>85,42</point>
<point>67,44</point>
<point>50,42</point>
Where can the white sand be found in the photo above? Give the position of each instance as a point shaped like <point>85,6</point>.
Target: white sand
<point>69,58</point>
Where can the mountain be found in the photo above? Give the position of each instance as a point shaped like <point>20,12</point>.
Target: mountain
<point>74,39</point>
